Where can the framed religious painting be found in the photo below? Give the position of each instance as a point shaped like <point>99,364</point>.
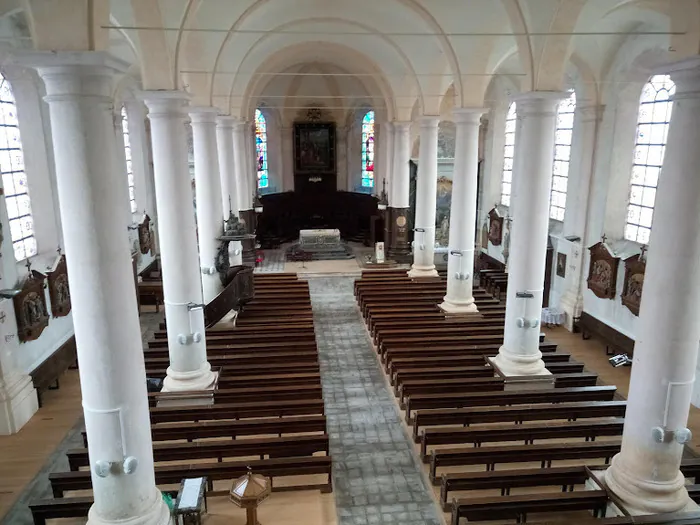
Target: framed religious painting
<point>314,148</point>
<point>59,291</point>
<point>30,308</point>
<point>561,265</point>
<point>495,227</point>
<point>602,271</point>
<point>631,297</point>
<point>145,235</point>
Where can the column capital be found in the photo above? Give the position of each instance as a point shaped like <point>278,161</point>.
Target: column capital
<point>165,103</point>
<point>468,115</point>
<point>203,114</point>
<point>401,126</point>
<point>539,103</point>
<point>429,121</point>
<point>386,124</point>
<point>225,121</point>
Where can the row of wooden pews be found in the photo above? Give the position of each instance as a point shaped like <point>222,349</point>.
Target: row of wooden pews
<point>495,453</point>
<point>267,412</point>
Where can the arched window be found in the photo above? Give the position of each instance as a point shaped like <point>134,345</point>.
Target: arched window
<point>368,150</point>
<point>14,179</point>
<point>127,154</point>
<point>261,149</point>
<point>652,131</point>
<point>562,157</point>
<point>508,155</point>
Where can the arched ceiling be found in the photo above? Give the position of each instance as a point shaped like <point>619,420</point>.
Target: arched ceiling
<point>401,52</point>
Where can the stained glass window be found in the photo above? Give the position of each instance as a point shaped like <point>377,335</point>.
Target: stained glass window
<point>261,149</point>
<point>652,130</point>
<point>14,179</point>
<point>508,155</point>
<point>562,157</point>
<point>368,150</point>
<point>127,153</point>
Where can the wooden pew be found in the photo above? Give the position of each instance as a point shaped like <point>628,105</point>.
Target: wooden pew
<point>519,397</point>
<point>287,407</point>
<point>505,480</point>
<point>286,446</point>
<point>62,482</point>
<point>242,395</point>
<point>517,507</point>
<point>542,453</point>
<point>516,414</point>
<point>527,432</point>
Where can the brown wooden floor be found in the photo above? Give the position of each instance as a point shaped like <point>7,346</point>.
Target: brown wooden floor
<point>23,454</point>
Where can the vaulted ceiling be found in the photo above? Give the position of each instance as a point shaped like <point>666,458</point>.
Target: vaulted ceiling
<point>395,54</point>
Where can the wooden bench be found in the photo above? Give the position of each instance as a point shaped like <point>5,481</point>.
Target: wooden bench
<point>505,480</point>
<point>516,414</point>
<point>242,395</point>
<point>286,446</point>
<point>615,342</point>
<point>527,432</point>
<point>545,454</point>
<point>189,431</point>
<point>287,407</point>
<point>517,507</point>
<point>62,482</point>
<point>473,399</point>
<point>46,375</point>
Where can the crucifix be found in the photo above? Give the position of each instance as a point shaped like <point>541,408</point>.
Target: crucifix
<point>604,238</point>
<point>59,251</point>
<point>29,267</point>
<point>643,252</point>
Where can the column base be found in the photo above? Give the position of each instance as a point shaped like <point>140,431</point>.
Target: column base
<point>18,403</point>
<point>640,496</point>
<point>513,365</point>
<point>157,514</point>
<point>422,272</point>
<point>458,308</point>
<point>202,379</point>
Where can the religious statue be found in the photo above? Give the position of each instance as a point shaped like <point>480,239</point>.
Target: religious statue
<point>495,227</point>
<point>145,235</point>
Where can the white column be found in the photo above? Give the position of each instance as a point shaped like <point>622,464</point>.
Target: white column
<point>460,263</point>
<point>645,475</point>
<point>224,146</point>
<point>105,317</point>
<point>586,124</point>
<point>209,214</point>
<point>401,176</point>
<point>143,183</point>
<point>240,155</point>
<point>189,368</point>
<point>387,148</point>
<point>520,354</point>
<point>426,201</point>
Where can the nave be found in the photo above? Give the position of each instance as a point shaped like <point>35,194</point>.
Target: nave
<point>371,376</point>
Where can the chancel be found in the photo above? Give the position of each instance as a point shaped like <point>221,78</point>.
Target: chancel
<point>406,261</point>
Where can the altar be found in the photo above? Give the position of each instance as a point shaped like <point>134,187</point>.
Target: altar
<point>310,239</point>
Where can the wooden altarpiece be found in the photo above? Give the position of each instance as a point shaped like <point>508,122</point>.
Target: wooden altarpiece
<point>602,271</point>
<point>495,227</point>
<point>59,291</point>
<point>30,308</point>
<point>635,267</point>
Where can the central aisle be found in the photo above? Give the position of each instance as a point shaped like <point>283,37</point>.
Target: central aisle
<point>376,475</point>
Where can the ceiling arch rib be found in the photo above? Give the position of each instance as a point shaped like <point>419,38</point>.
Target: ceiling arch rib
<point>365,70</point>
<point>259,16</point>
<point>406,85</point>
